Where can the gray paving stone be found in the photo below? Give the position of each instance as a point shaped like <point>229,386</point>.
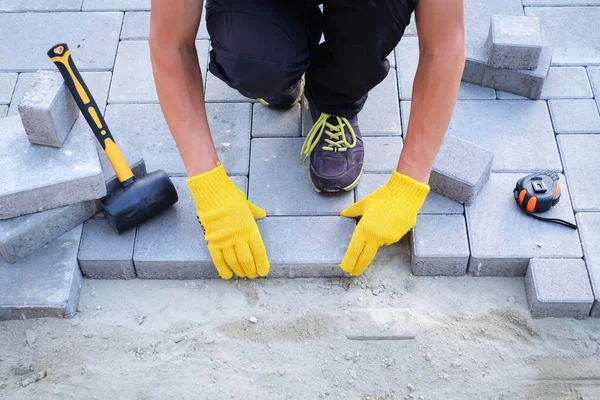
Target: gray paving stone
<point>136,26</point>
<point>45,284</point>
<point>39,5</point>
<point>134,159</point>
<point>519,133</point>
<point>582,166</point>
<point>280,184</point>
<point>411,29</point>
<point>514,42</point>
<point>561,83</point>
<point>573,32</point>
<point>97,82</point>
<point>478,16</point>
<point>381,112</point>
<point>588,224</point>
<point>23,235</point>
<point>7,86</point>
<point>594,73</point>
<point>503,238</point>
<point>229,123</point>
<point>575,116</point>
<point>92,37</point>
<point>461,170</point>
<point>133,81</point>
<point>392,59</point>
<point>560,3</point>
<point>558,288</point>
<point>382,153</point>
<point>218,91</point>
<point>407,53</point>
<point>55,177</point>
<point>104,254</point>
<point>434,203</point>
<point>522,82</point>
<point>439,246</point>
<point>48,110</point>
<point>171,245</point>
<point>304,247</point>
<point>3,111</point>
<point>119,5</point>
<point>268,122</point>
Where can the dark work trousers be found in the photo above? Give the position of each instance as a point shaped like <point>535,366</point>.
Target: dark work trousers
<point>262,47</point>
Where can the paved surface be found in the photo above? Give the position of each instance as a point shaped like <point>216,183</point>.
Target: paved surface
<point>260,147</point>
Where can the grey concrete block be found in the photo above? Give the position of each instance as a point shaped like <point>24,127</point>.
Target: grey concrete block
<point>304,247</point>
<point>407,52</point>
<point>104,254</point>
<point>582,167</point>
<point>561,83</point>
<point>478,15</point>
<point>171,245</point>
<point>97,82</point>
<point>45,284</point>
<point>558,288</point>
<point>39,5</point>
<point>587,224</point>
<point>269,122</point>
<point>382,153</point>
<point>522,82</point>
<point>461,170</point>
<point>54,177</point>
<point>92,36</point>
<point>411,29</point>
<point>48,110</point>
<point>218,91</point>
<point>229,125</point>
<point>434,203</point>
<point>514,42</point>
<point>575,116</point>
<point>7,86</point>
<point>503,239</point>
<point>133,81</point>
<point>381,112</point>
<point>119,5</point>
<point>136,26</point>
<point>573,33</point>
<point>594,73</point>
<point>519,133</point>
<point>3,111</point>
<point>23,235</point>
<point>280,184</point>
<point>134,159</point>
<point>439,246</point>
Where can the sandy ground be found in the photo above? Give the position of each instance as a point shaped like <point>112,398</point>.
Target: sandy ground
<point>474,339</point>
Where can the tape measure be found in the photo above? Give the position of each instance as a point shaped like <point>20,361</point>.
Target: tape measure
<point>538,193</point>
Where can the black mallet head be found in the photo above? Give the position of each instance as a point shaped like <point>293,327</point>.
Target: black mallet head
<point>135,203</point>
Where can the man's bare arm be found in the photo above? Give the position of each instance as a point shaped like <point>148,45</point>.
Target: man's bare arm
<point>440,26</point>
<point>173,28</point>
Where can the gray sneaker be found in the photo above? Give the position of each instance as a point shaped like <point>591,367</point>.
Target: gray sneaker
<point>286,99</point>
<point>336,153</point>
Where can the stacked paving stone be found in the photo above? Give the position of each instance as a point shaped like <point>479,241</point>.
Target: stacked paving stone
<point>513,59</point>
<point>54,182</point>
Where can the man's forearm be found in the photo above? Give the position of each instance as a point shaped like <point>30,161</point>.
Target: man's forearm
<point>435,90</point>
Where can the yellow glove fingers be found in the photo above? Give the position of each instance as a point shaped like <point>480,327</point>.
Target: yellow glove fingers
<point>256,211</point>
<point>233,263</point>
<point>220,264</point>
<point>354,251</point>
<point>355,210</point>
<point>244,256</point>
<point>365,258</point>
<point>259,252</point>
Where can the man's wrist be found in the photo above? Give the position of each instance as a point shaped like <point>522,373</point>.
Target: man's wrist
<point>417,172</point>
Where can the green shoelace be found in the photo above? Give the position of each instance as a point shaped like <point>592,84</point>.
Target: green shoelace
<point>336,139</point>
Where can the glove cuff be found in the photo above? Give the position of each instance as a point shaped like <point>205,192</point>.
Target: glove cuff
<point>211,188</point>
<point>412,191</point>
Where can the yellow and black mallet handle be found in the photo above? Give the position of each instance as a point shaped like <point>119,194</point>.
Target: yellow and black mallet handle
<point>61,56</point>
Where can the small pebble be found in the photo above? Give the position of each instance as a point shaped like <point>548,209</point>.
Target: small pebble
<point>428,357</point>
<point>253,320</point>
<point>349,355</point>
<point>446,377</point>
<point>281,372</point>
<point>269,345</point>
<point>98,307</point>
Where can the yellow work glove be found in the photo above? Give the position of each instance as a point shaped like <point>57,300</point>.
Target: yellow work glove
<point>387,215</point>
<point>230,229</point>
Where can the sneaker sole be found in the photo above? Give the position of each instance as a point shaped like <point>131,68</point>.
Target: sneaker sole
<point>264,103</point>
<point>338,190</point>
